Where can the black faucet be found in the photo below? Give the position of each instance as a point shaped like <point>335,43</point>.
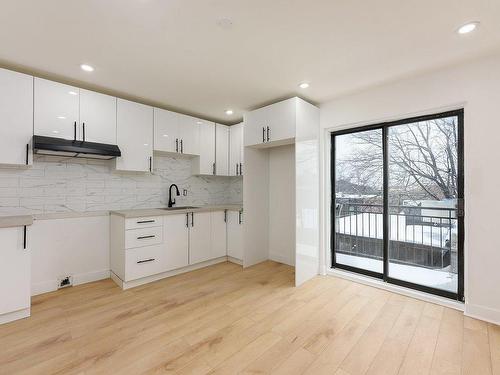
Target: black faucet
<point>170,201</point>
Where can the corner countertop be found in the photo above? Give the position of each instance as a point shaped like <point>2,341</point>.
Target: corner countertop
<point>144,212</point>
<point>15,221</point>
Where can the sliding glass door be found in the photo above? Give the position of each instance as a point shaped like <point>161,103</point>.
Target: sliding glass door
<point>397,207</point>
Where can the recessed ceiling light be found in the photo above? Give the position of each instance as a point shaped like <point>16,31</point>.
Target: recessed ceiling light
<point>304,85</point>
<point>468,27</point>
<point>165,135</point>
<point>229,112</point>
<point>87,68</point>
<point>72,93</point>
<point>145,144</point>
<point>61,117</point>
<point>199,122</point>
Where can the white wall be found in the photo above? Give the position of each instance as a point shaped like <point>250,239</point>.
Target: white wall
<point>282,204</point>
<point>72,246</point>
<point>475,86</point>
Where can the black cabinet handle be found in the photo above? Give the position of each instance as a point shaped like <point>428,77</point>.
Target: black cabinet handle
<point>241,169</point>
<point>83,127</point>
<point>263,134</point>
<point>146,237</point>
<point>268,133</point>
<point>24,238</point>
<point>225,216</point>
<point>151,164</point>
<point>176,144</point>
<point>182,148</point>
<point>192,219</point>
<point>213,169</point>
<point>187,219</point>
<point>146,260</point>
<point>27,153</point>
<point>239,217</point>
<point>145,221</point>
<point>237,171</point>
<point>74,137</point>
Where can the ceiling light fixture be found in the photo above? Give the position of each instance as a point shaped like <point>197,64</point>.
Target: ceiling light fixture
<point>468,27</point>
<point>87,68</point>
<point>304,85</point>
<point>72,93</point>
<point>61,117</point>
<point>229,112</point>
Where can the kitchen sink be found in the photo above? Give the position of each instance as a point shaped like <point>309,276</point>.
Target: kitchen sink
<point>177,208</point>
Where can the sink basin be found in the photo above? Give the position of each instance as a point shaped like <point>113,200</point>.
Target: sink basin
<point>177,208</point>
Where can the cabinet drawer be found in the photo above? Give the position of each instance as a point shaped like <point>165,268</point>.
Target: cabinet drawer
<point>144,261</point>
<point>143,237</point>
<point>143,222</point>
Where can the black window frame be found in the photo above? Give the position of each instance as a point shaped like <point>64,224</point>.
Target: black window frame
<point>384,126</point>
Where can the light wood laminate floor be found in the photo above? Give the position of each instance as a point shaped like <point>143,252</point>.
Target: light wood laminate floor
<point>225,320</point>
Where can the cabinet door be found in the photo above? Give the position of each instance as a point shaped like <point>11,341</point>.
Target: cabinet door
<point>175,239</point>
<point>221,150</point>
<point>235,149</point>
<point>166,130</point>
<point>134,136</point>
<point>218,240</point>
<point>56,109</point>
<point>242,150</point>
<point>255,127</point>
<point>199,237</point>
<point>15,271</point>
<point>190,135</point>
<point>281,118</point>
<point>234,235</point>
<point>97,117</point>
<point>207,149</point>
<point>16,117</point>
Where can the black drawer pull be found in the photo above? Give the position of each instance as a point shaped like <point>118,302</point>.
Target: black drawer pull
<point>145,221</point>
<point>146,237</point>
<point>146,260</point>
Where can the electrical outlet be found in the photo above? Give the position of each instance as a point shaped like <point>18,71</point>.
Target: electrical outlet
<point>184,192</point>
<point>65,282</point>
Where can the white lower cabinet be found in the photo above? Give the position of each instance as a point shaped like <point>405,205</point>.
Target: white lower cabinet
<point>235,234</point>
<point>176,241</point>
<point>15,272</point>
<point>218,234</point>
<point>199,237</point>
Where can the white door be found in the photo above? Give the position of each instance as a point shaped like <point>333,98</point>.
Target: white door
<point>207,149</point>
<point>166,130</point>
<point>199,237</point>
<point>255,127</point>
<point>221,150</point>
<point>134,136</point>
<point>218,240</point>
<point>16,117</point>
<point>234,235</point>
<point>176,236</point>
<point>281,119</point>
<point>56,109</point>
<point>15,271</point>
<point>235,149</point>
<point>97,117</point>
<point>190,135</point>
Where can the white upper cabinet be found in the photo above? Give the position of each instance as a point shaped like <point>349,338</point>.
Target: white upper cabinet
<point>134,136</point>
<point>205,163</point>
<point>97,117</point>
<point>166,130</point>
<point>221,150</point>
<point>189,134</point>
<point>236,150</point>
<point>56,109</point>
<point>16,117</point>
<point>272,125</point>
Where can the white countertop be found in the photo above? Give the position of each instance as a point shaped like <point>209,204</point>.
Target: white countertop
<point>144,212</point>
<point>15,221</point>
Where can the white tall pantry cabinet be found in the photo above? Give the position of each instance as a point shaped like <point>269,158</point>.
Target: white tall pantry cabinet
<point>134,136</point>
<point>16,118</point>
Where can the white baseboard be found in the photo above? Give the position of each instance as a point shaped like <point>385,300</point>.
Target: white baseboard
<point>83,278</point>
<point>10,317</point>
<point>281,259</point>
<point>483,313</point>
<point>234,260</point>
<point>145,280</point>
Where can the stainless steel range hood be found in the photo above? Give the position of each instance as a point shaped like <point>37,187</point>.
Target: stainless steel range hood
<point>79,149</point>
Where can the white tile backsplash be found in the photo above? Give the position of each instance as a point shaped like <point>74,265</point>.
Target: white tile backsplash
<point>57,184</point>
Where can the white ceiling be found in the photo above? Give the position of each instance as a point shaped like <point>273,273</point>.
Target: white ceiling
<point>173,53</point>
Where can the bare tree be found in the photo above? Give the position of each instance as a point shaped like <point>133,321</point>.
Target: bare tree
<point>422,159</point>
